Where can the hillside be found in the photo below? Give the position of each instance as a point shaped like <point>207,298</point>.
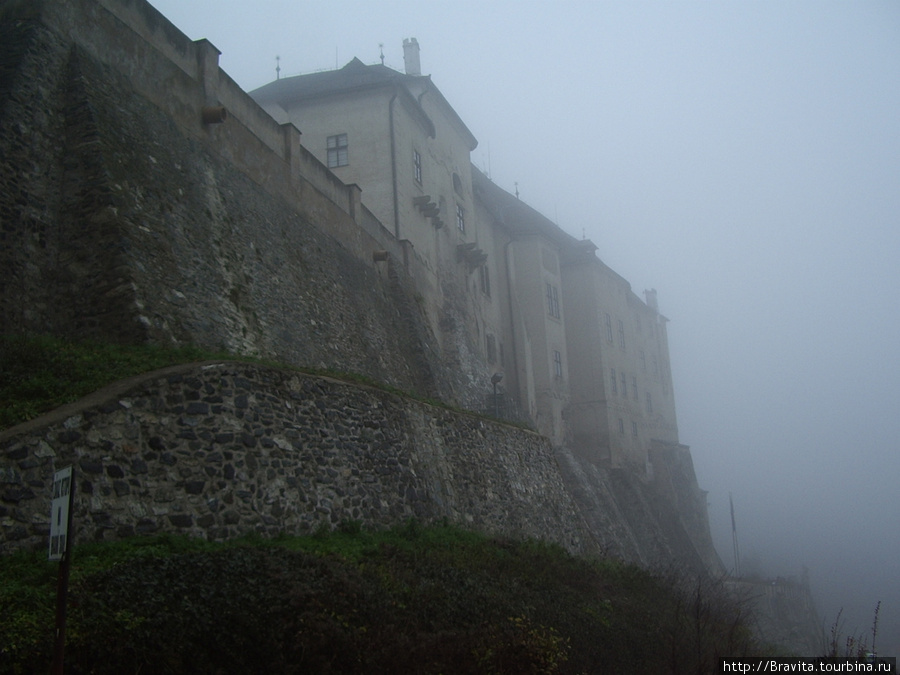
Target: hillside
<point>412,599</point>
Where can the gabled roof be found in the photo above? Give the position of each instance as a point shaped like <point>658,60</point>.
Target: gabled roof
<point>358,77</point>
<point>355,75</point>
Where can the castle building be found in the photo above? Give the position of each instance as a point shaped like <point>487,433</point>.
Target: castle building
<point>577,352</point>
<point>149,199</point>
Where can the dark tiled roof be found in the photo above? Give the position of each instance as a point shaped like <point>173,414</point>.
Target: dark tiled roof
<point>520,219</point>
<point>355,75</point>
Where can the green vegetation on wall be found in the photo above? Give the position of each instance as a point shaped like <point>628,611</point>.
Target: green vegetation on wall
<point>39,373</point>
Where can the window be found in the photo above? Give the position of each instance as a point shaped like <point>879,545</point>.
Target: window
<point>649,404</point>
<point>491,348</point>
<point>621,334</point>
<point>655,366</point>
<point>624,386</point>
<point>460,218</point>
<point>643,361</point>
<point>621,426</point>
<point>337,151</point>
<point>612,378</point>
<point>485,278</point>
<point>552,300</point>
<point>634,388</point>
<point>457,185</point>
<point>608,328</point>
<point>557,364</point>
<point>417,166</point>
<point>634,429</point>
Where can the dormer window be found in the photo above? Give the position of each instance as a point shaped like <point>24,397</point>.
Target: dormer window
<point>337,151</point>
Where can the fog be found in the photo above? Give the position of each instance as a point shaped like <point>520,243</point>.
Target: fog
<point>743,158</point>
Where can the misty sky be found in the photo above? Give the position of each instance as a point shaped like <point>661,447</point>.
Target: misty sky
<point>743,158</point>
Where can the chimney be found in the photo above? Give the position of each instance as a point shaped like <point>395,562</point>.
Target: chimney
<point>411,56</point>
<point>652,302</point>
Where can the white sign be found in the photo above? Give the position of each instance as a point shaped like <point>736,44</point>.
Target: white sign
<point>59,512</point>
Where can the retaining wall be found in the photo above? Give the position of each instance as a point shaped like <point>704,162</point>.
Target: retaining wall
<point>220,449</point>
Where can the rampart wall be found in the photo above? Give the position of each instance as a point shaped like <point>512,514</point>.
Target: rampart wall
<point>123,220</point>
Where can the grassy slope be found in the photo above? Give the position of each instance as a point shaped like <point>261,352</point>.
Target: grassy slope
<point>435,600</point>
<point>38,374</point>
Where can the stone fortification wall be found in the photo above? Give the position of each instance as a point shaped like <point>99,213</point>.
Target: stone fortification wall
<point>117,224</point>
<point>221,449</point>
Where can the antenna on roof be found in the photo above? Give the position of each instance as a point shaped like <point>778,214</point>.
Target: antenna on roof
<point>381,49</point>
<point>277,67</point>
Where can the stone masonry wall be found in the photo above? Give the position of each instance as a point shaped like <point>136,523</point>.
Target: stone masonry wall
<point>121,221</point>
<point>221,449</point>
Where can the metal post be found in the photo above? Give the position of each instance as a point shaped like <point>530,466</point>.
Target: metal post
<point>62,590</point>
